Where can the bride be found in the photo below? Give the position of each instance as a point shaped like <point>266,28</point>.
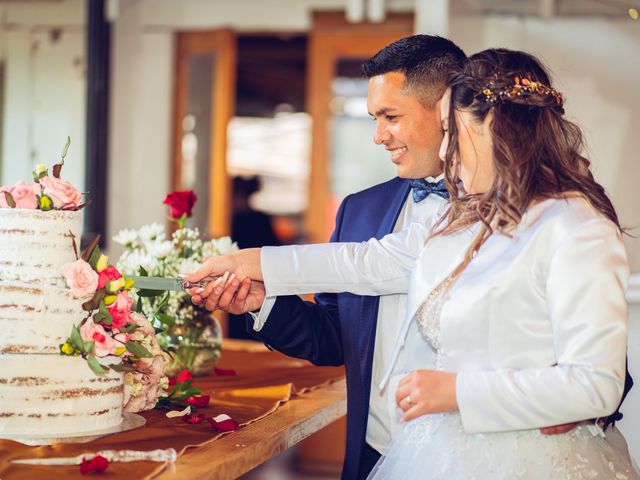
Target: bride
<point>518,286</point>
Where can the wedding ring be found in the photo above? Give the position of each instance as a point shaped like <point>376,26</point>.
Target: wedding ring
<point>408,397</point>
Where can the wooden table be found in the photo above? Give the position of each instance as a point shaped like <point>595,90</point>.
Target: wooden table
<point>235,454</point>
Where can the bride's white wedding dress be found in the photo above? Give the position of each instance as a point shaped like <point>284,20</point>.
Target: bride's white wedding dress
<point>437,447</point>
<point>535,327</point>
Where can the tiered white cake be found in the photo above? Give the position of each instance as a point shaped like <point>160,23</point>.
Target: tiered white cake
<point>42,392</point>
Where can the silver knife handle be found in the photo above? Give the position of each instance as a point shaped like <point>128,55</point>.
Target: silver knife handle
<point>166,455</point>
<point>187,284</point>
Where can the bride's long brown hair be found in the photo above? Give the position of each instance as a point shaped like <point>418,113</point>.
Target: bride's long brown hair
<point>537,152</point>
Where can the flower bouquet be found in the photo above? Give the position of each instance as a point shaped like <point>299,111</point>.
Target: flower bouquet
<point>190,334</point>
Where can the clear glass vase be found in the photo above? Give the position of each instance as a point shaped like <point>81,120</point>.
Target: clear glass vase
<point>195,346</point>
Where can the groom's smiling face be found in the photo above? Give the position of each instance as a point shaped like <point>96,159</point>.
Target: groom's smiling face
<point>408,129</point>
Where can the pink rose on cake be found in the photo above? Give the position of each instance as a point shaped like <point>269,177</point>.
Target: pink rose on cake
<point>24,195</point>
<point>104,344</point>
<point>81,278</point>
<point>108,274</point>
<point>120,310</point>
<point>61,192</point>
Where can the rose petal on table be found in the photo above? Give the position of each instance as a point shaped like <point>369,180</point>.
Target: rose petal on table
<point>198,401</point>
<point>223,423</point>
<point>95,465</point>
<point>193,419</point>
<point>225,372</point>
<point>179,413</point>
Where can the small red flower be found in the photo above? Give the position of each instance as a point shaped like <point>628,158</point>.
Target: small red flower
<point>180,203</point>
<point>193,419</point>
<point>182,377</point>
<point>198,401</point>
<point>106,275</point>
<point>95,465</point>
<point>223,423</point>
<point>225,372</point>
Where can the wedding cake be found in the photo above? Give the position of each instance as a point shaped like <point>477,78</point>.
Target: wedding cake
<point>42,392</point>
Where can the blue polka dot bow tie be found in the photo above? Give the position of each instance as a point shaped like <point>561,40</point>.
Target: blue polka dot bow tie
<point>421,189</point>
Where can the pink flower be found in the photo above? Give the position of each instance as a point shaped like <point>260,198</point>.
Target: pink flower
<point>108,274</point>
<point>24,195</point>
<point>145,326</point>
<point>104,344</point>
<point>120,310</point>
<point>81,278</point>
<point>61,192</point>
<point>141,389</point>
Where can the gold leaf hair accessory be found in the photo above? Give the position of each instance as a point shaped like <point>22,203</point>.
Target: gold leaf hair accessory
<point>496,91</point>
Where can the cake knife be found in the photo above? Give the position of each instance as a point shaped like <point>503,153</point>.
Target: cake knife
<point>175,284</point>
<point>166,455</point>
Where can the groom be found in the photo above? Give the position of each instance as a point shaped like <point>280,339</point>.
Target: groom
<point>406,81</point>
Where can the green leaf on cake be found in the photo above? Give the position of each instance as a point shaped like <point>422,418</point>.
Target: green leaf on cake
<point>166,319</point>
<point>89,346</point>
<point>58,166</point>
<point>91,305</point>
<point>75,339</point>
<point>120,367</point>
<point>94,256</point>
<point>103,315</point>
<point>138,350</point>
<point>9,199</point>
<point>139,305</point>
<point>95,365</point>
<point>130,328</point>
<point>89,250</point>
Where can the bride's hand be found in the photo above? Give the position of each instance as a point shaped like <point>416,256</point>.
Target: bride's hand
<point>426,391</point>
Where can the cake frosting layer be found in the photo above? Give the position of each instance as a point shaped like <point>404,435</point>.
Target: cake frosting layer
<point>56,395</point>
<point>34,245</point>
<point>36,319</point>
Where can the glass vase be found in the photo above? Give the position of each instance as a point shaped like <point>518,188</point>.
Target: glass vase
<point>195,346</point>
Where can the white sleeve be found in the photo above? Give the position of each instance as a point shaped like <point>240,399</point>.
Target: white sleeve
<point>375,267</point>
<point>585,295</point>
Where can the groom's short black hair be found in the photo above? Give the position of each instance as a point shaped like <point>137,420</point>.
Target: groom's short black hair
<point>425,60</point>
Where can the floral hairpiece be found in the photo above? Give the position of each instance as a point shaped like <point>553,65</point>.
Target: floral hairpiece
<point>521,87</point>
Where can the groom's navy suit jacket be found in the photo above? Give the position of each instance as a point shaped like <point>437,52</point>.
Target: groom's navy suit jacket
<point>340,328</point>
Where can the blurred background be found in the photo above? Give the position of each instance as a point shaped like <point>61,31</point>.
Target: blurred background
<point>260,107</point>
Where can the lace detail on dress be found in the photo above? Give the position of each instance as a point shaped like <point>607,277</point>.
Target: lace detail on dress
<point>428,317</point>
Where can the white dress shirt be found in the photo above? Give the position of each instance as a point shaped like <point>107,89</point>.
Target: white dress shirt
<point>383,419</point>
<point>535,325</point>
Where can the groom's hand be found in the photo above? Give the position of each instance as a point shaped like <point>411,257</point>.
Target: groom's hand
<point>237,298</point>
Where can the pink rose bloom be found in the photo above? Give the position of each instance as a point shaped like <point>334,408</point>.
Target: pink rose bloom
<point>81,278</point>
<point>24,195</point>
<point>120,310</point>
<point>104,344</point>
<point>3,198</point>
<point>108,274</point>
<point>145,326</point>
<point>61,192</point>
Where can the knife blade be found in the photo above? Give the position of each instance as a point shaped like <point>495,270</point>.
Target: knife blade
<point>175,284</point>
<point>159,455</point>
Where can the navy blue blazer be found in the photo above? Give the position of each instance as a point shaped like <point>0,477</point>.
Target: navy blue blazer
<point>340,328</point>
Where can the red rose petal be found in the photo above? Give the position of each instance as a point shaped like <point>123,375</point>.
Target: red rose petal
<point>229,372</point>
<point>193,419</point>
<point>184,376</point>
<point>95,465</point>
<point>198,401</point>
<point>228,425</point>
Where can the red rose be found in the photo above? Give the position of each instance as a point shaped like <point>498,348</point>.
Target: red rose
<point>106,275</point>
<point>95,465</point>
<point>198,401</point>
<point>180,203</point>
<point>181,378</point>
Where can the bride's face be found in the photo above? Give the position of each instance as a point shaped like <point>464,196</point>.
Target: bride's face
<point>473,161</point>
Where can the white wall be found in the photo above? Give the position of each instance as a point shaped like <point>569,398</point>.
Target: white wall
<point>595,64</point>
<point>45,87</point>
